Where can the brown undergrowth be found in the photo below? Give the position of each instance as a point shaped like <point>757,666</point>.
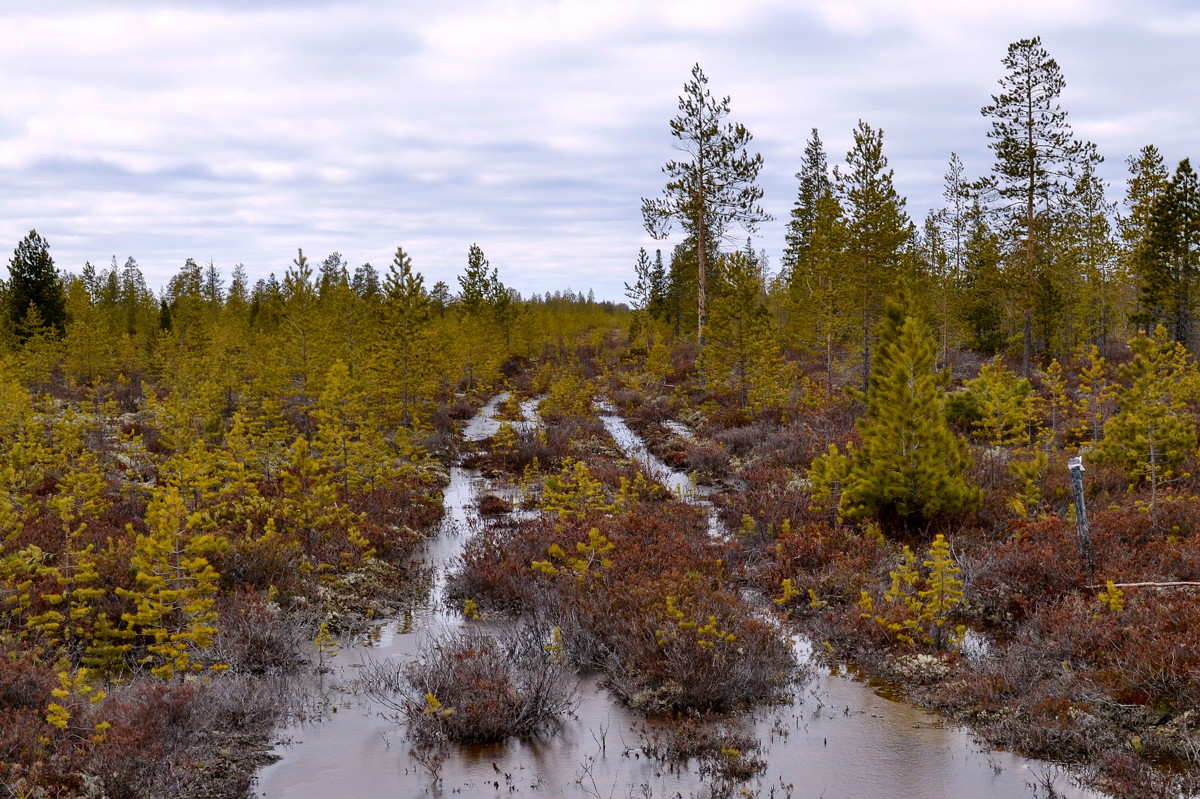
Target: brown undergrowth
<point>642,596</point>
<point>627,578</point>
<point>1039,654</point>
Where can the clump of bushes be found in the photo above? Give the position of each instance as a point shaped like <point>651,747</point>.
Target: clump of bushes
<point>726,752</point>
<point>693,648</point>
<point>833,562</point>
<point>147,738</point>
<point>472,686</point>
<point>641,595</point>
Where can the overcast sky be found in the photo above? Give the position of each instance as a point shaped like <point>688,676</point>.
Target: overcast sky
<point>239,131</point>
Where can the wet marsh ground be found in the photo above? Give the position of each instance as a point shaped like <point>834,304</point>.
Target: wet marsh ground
<point>836,735</point>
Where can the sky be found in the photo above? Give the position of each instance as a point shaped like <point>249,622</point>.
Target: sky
<point>239,131</point>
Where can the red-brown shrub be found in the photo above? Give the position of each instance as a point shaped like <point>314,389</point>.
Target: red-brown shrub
<point>835,561</point>
<point>1040,564</point>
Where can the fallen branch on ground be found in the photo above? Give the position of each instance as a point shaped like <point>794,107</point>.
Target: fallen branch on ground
<point>1181,584</point>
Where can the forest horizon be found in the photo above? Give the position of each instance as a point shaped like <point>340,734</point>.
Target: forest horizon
<point>956,454</point>
<point>468,147</point>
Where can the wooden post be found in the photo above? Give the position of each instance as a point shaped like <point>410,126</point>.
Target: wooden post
<point>1075,466</point>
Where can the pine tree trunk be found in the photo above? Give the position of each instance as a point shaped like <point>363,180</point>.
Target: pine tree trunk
<point>701,282</point>
<point>1027,352</point>
<point>866,347</point>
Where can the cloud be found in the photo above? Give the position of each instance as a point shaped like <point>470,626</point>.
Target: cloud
<point>240,131</point>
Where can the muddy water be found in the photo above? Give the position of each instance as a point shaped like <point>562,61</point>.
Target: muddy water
<point>837,739</point>
<point>677,482</point>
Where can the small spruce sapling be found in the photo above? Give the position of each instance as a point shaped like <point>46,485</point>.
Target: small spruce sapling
<point>942,594</point>
<point>927,601</point>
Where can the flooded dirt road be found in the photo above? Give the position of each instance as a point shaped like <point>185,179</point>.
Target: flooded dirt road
<point>837,739</point>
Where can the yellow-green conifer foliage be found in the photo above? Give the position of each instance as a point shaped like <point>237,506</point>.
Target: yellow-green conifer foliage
<point>1056,409</point>
<point>72,613</point>
<point>920,604</point>
<point>302,338</point>
<point>681,628</point>
<point>186,415</point>
<point>568,394</point>
<point>238,467</point>
<point>485,320</point>
<point>591,559</point>
<point>659,366</point>
<point>196,472</point>
<point>91,349</point>
<point>40,353</point>
<point>820,290</point>
<point>350,321</point>
<point>1002,402</point>
<point>631,493</point>
<point>404,362</point>
<point>741,354</point>
<point>349,446</point>
<point>175,587</point>
<point>79,683</point>
<point>504,442</point>
<point>1030,471</point>
<point>911,467</point>
<point>827,478</point>
<point>574,493</point>
<point>1152,433</point>
<point>1096,399</point>
<point>24,456</point>
<point>326,644</point>
<point>1112,597</point>
<point>12,512</point>
<point>310,510</point>
<point>942,593</point>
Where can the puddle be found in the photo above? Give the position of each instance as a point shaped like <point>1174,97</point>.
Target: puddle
<point>678,483</point>
<point>838,739</point>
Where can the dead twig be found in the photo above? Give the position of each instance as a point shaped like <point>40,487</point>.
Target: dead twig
<point>1179,584</point>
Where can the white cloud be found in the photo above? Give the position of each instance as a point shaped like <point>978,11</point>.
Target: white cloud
<point>240,131</point>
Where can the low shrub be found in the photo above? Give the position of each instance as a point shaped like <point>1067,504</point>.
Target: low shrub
<point>257,638</point>
<point>708,461</point>
<point>472,686</point>
<point>741,441</point>
<point>651,610</point>
<point>835,562</point>
<point>725,751</point>
<point>147,738</point>
<point>1039,565</point>
<point>494,568</point>
<point>695,649</point>
<point>492,505</point>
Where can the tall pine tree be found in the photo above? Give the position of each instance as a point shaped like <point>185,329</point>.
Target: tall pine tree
<point>814,183</point>
<point>35,293</point>
<point>1152,433</point>
<point>878,230</point>
<point>742,355</point>
<point>1148,180</point>
<point>1035,150</point>
<point>1169,257</point>
<point>713,187</point>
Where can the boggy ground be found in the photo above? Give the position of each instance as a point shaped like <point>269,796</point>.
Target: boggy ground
<point>608,574</point>
<point>1038,654</point>
<point>297,555</point>
<point>622,571</point>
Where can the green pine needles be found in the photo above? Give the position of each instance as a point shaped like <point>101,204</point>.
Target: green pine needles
<point>911,467</point>
<point>1152,434</point>
<point>918,606</point>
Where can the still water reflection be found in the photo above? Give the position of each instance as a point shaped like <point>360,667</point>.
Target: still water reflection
<point>838,739</point>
